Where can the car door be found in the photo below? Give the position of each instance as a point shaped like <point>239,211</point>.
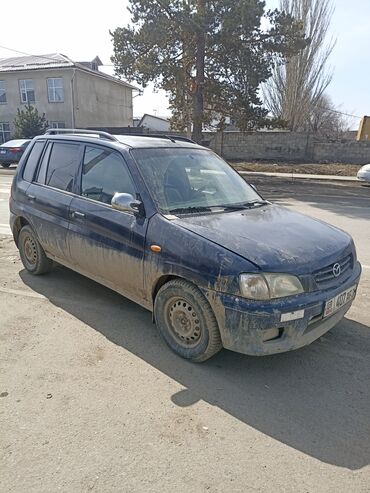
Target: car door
<point>107,244</point>
<point>50,195</point>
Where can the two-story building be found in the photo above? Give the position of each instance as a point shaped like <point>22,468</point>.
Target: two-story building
<point>71,94</point>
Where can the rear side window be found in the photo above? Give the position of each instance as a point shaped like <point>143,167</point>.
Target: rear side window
<point>63,164</point>
<point>32,161</point>
<point>104,173</point>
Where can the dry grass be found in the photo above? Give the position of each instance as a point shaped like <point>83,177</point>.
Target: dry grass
<point>315,169</point>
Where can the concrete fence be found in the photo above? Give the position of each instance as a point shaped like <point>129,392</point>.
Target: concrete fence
<point>287,146</point>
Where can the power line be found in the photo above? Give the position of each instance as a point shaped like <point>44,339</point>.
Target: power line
<point>43,56</point>
<point>112,65</point>
<point>28,54</point>
<point>340,112</point>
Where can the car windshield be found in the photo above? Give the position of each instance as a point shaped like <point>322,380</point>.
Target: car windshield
<point>193,180</point>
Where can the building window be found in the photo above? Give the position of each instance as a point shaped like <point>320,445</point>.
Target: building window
<point>27,91</point>
<point>4,132</point>
<point>2,92</point>
<point>57,125</point>
<point>55,90</point>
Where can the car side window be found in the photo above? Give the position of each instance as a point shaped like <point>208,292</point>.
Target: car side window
<point>63,165</point>
<point>104,173</point>
<point>32,161</point>
<point>41,174</point>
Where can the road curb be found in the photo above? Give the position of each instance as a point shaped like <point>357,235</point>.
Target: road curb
<point>7,172</point>
<point>299,176</point>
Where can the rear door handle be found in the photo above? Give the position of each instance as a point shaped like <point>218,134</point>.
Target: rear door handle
<point>78,215</point>
<point>31,197</point>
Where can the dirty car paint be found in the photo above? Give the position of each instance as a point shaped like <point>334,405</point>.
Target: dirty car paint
<point>273,237</point>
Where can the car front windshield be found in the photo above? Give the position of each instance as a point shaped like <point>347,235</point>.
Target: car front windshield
<point>192,180</point>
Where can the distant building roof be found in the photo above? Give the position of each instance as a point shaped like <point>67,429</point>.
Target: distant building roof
<point>146,115</point>
<point>93,65</point>
<point>55,60</point>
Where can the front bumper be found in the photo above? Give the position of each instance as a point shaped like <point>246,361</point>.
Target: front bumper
<point>255,328</point>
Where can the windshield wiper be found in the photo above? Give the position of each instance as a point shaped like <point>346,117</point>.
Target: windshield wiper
<point>219,208</point>
<point>245,205</point>
<point>190,209</point>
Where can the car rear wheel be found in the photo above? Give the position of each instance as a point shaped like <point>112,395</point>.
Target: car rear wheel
<point>5,165</point>
<point>32,254</point>
<point>186,321</point>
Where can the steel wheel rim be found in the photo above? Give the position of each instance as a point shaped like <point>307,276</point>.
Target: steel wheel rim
<point>183,322</point>
<point>30,251</point>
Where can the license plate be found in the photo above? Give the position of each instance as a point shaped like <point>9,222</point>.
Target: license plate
<point>336,303</point>
<point>2,152</point>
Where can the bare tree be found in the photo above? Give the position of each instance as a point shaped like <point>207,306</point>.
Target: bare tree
<point>296,86</point>
<point>327,121</point>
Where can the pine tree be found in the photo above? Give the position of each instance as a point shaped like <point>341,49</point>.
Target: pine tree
<point>210,56</point>
<point>29,123</point>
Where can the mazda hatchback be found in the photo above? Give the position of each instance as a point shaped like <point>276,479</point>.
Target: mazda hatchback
<point>170,225</point>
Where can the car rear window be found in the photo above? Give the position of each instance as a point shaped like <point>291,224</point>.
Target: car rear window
<point>63,164</point>
<point>14,143</point>
<point>32,161</point>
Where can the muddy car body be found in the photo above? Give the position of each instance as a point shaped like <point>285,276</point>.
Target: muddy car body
<point>180,233</point>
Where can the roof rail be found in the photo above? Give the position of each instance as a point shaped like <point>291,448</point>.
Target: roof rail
<point>78,131</point>
<point>173,138</point>
<point>180,137</point>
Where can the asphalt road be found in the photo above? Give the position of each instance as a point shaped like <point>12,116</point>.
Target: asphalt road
<point>6,177</point>
<point>92,400</point>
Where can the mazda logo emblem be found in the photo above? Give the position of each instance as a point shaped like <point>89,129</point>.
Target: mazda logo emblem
<point>337,270</point>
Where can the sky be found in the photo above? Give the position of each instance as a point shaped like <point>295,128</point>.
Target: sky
<point>80,30</point>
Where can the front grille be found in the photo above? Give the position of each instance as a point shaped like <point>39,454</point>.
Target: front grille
<point>326,275</point>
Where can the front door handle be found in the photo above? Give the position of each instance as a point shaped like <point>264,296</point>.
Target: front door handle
<point>78,215</point>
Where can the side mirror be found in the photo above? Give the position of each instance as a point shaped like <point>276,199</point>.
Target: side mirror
<point>125,202</point>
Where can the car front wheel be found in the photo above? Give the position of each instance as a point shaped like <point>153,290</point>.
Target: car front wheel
<point>186,321</point>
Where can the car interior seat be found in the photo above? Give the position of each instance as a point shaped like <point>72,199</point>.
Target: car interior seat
<point>177,187</point>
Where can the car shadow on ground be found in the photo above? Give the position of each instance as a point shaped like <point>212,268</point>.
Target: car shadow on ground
<point>316,400</point>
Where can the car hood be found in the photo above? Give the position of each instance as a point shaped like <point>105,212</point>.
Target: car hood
<point>273,238</point>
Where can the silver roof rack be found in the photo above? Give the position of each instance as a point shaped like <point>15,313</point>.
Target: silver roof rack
<point>108,136</point>
<point>80,131</point>
<point>173,138</point>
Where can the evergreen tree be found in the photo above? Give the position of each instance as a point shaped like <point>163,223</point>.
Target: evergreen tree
<point>209,55</point>
<point>29,123</point>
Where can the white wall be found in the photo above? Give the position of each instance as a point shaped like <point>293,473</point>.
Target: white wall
<point>153,123</point>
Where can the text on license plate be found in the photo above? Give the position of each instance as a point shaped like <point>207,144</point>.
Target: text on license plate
<point>2,151</point>
<point>333,305</point>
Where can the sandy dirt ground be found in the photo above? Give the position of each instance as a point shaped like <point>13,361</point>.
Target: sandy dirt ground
<point>91,399</point>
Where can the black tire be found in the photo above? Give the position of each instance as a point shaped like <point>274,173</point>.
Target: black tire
<point>5,165</point>
<point>186,321</point>
<point>32,254</point>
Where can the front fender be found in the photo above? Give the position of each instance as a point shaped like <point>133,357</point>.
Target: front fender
<point>192,257</point>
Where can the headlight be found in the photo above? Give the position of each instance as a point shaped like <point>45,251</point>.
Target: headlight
<point>269,286</point>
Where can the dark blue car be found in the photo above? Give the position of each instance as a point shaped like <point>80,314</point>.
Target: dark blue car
<point>171,226</point>
<point>12,151</point>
